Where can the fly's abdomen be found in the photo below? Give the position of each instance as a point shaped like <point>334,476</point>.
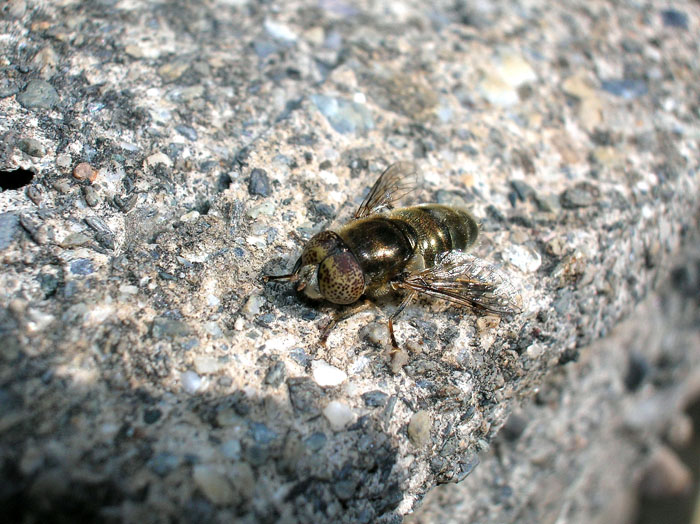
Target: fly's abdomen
<point>438,229</point>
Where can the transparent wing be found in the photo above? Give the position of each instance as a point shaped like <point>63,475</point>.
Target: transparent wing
<point>395,182</point>
<point>467,281</point>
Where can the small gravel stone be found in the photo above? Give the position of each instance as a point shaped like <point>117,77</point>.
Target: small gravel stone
<point>188,132</point>
<point>163,463</point>
<point>32,147</point>
<point>191,382</point>
<point>275,374</point>
<point>243,479</point>
<point>9,226</point>
<point>151,416</point>
<point>525,258</point>
<point>666,475</point>
<point>173,70</point>
<point>304,394</point>
<point>85,171</point>
<point>419,429</point>
<point>279,31</point>
<point>231,449</point>
<point>626,88</point>
<point>338,415</point>
<point>164,327</point>
<point>398,360</point>
<point>261,433</point>
<point>375,399</point>
<point>64,161</point>
<point>253,305</point>
<point>326,375</point>
<point>259,184</point>
<point>344,116</point>
<point>38,94</point>
<point>92,197</point>
<point>205,365</point>
<point>674,18</point>
<point>75,240</point>
<point>581,195</point>
<point>315,441</point>
<point>215,486</point>
<point>82,266</point>
<point>376,332</point>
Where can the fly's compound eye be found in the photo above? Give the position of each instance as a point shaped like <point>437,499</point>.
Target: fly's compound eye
<point>340,279</point>
<point>319,247</point>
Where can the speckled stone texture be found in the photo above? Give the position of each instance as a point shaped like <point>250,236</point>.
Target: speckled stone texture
<point>180,150</point>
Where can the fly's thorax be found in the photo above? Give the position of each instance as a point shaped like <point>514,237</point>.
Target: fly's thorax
<point>439,228</point>
<point>381,246</point>
<point>328,269</point>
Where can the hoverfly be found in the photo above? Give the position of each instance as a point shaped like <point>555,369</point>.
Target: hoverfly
<point>417,250</point>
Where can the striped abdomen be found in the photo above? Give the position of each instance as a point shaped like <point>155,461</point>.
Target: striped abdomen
<point>438,229</point>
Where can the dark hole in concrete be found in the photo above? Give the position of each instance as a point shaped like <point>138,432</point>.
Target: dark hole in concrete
<point>15,179</point>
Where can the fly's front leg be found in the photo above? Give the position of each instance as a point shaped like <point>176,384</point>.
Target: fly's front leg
<point>339,316</point>
<point>406,301</point>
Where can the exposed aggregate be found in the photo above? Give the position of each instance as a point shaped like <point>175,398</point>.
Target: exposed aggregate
<point>180,150</point>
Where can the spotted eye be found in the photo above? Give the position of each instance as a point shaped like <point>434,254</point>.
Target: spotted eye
<point>319,247</point>
<point>340,278</point>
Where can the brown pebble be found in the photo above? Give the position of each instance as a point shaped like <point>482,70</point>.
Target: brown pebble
<point>85,171</point>
<point>398,360</point>
<point>666,475</point>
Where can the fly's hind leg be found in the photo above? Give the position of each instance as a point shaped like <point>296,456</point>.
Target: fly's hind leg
<point>339,316</point>
<point>406,301</point>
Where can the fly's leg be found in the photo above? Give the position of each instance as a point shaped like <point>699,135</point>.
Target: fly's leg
<point>339,316</point>
<point>406,301</point>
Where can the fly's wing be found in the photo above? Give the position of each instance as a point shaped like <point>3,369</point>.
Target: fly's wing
<point>468,281</point>
<point>395,182</point>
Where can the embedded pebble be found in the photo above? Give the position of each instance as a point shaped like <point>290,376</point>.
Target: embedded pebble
<point>243,479</point>
<point>259,183</point>
<point>419,428</point>
<point>497,91</point>
<point>398,360</point>
<point>205,364</point>
<point>173,70</point>
<point>275,374</point>
<point>151,416</point>
<point>215,486</point>
<point>315,441</point>
<point>38,94</point>
<point>581,195</point>
<point>326,375</point>
<point>9,226</point>
<point>32,147</point>
<point>85,171</point>
<point>626,88</point>
<point>82,266</point>
<point>188,132</point>
<point>92,197</point>
<point>253,305</point>
<point>163,463</point>
<point>158,158</point>
<point>376,332</point>
<point>231,449</point>
<point>514,70</point>
<point>343,115</point>
<point>674,18</point>
<point>74,240</point>
<point>375,399</point>
<point>280,31</point>
<point>525,258</point>
<point>191,382</point>
<point>338,415</point>
<point>666,475</point>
